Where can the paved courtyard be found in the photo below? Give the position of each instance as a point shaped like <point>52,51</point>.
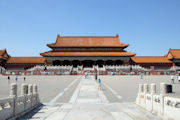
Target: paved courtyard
<point>48,86</point>
<point>51,86</point>
<point>67,96</point>
<point>127,86</point>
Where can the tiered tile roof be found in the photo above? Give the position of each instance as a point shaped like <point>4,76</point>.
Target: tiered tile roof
<point>26,60</point>
<point>88,42</point>
<point>151,59</point>
<point>91,41</point>
<point>4,55</point>
<point>173,53</point>
<point>87,54</point>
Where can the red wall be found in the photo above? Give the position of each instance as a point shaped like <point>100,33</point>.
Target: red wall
<point>156,65</point>
<point>21,65</point>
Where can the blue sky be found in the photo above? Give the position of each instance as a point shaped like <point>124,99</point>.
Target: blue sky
<point>151,27</point>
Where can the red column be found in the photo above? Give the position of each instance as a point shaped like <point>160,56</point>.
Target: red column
<point>50,62</point>
<point>126,62</point>
<point>70,62</point>
<point>104,62</point>
<point>46,63</point>
<point>80,63</point>
<point>173,64</point>
<point>61,63</point>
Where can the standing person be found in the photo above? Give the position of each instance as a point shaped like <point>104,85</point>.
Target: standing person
<point>96,77</point>
<point>141,75</point>
<point>172,79</point>
<point>85,74</point>
<point>8,79</point>
<point>16,78</point>
<point>179,77</point>
<point>99,84</point>
<point>24,78</point>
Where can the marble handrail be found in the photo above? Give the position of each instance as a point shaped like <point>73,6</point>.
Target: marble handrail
<point>16,106</point>
<point>162,104</point>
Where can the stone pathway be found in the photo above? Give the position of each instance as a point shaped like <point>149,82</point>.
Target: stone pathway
<point>89,103</point>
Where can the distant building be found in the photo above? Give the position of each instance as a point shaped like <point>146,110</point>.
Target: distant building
<point>88,51</point>
<point>159,62</point>
<point>174,56</point>
<point>23,63</point>
<point>3,57</point>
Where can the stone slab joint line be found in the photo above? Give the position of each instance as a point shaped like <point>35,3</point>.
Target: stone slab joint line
<point>76,93</point>
<point>114,92</point>
<point>62,92</point>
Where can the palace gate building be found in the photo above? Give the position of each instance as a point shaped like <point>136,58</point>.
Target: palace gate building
<point>87,51</point>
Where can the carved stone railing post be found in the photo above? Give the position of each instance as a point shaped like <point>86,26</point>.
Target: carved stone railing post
<point>163,88</point>
<point>153,91</point>
<point>145,88</point>
<point>163,91</point>
<point>153,88</point>
<point>30,92</point>
<point>140,91</point>
<point>24,89</point>
<point>35,93</point>
<point>24,92</point>
<point>13,93</point>
<point>145,92</point>
<point>30,89</point>
<point>13,90</point>
<point>140,88</point>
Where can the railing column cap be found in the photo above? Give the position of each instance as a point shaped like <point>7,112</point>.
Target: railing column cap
<point>24,89</point>
<point>13,90</point>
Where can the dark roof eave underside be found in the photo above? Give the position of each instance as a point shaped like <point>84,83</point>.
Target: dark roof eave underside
<point>24,63</point>
<point>155,63</point>
<point>88,46</point>
<point>88,56</point>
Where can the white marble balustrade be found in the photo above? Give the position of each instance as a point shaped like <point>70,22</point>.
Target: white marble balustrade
<point>163,105</point>
<point>15,106</point>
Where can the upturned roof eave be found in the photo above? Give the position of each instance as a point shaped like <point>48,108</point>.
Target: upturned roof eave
<point>56,46</point>
<point>47,55</point>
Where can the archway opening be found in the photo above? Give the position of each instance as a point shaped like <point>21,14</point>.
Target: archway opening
<point>56,62</point>
<point>66,62</point>
<point>100,63</point>
<point>109,62</point>
<point>119,62</point>
<point>75,63</point>
<point>87,63</point>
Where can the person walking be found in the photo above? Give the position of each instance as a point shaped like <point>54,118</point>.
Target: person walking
<point>24,79</point>
<point>96,76</point>
<point>179,78</point>
<point>16,78</point>
<point>99,84</point>
<point>172,79</point>
<point>142,75</point>
<point>8,79</point>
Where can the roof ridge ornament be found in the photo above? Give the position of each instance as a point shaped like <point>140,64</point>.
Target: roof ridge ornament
<point>58,35</point>
<point>117,35</point>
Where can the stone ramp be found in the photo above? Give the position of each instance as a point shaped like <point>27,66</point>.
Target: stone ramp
<point>91,111</point>
<point>89,103</point>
